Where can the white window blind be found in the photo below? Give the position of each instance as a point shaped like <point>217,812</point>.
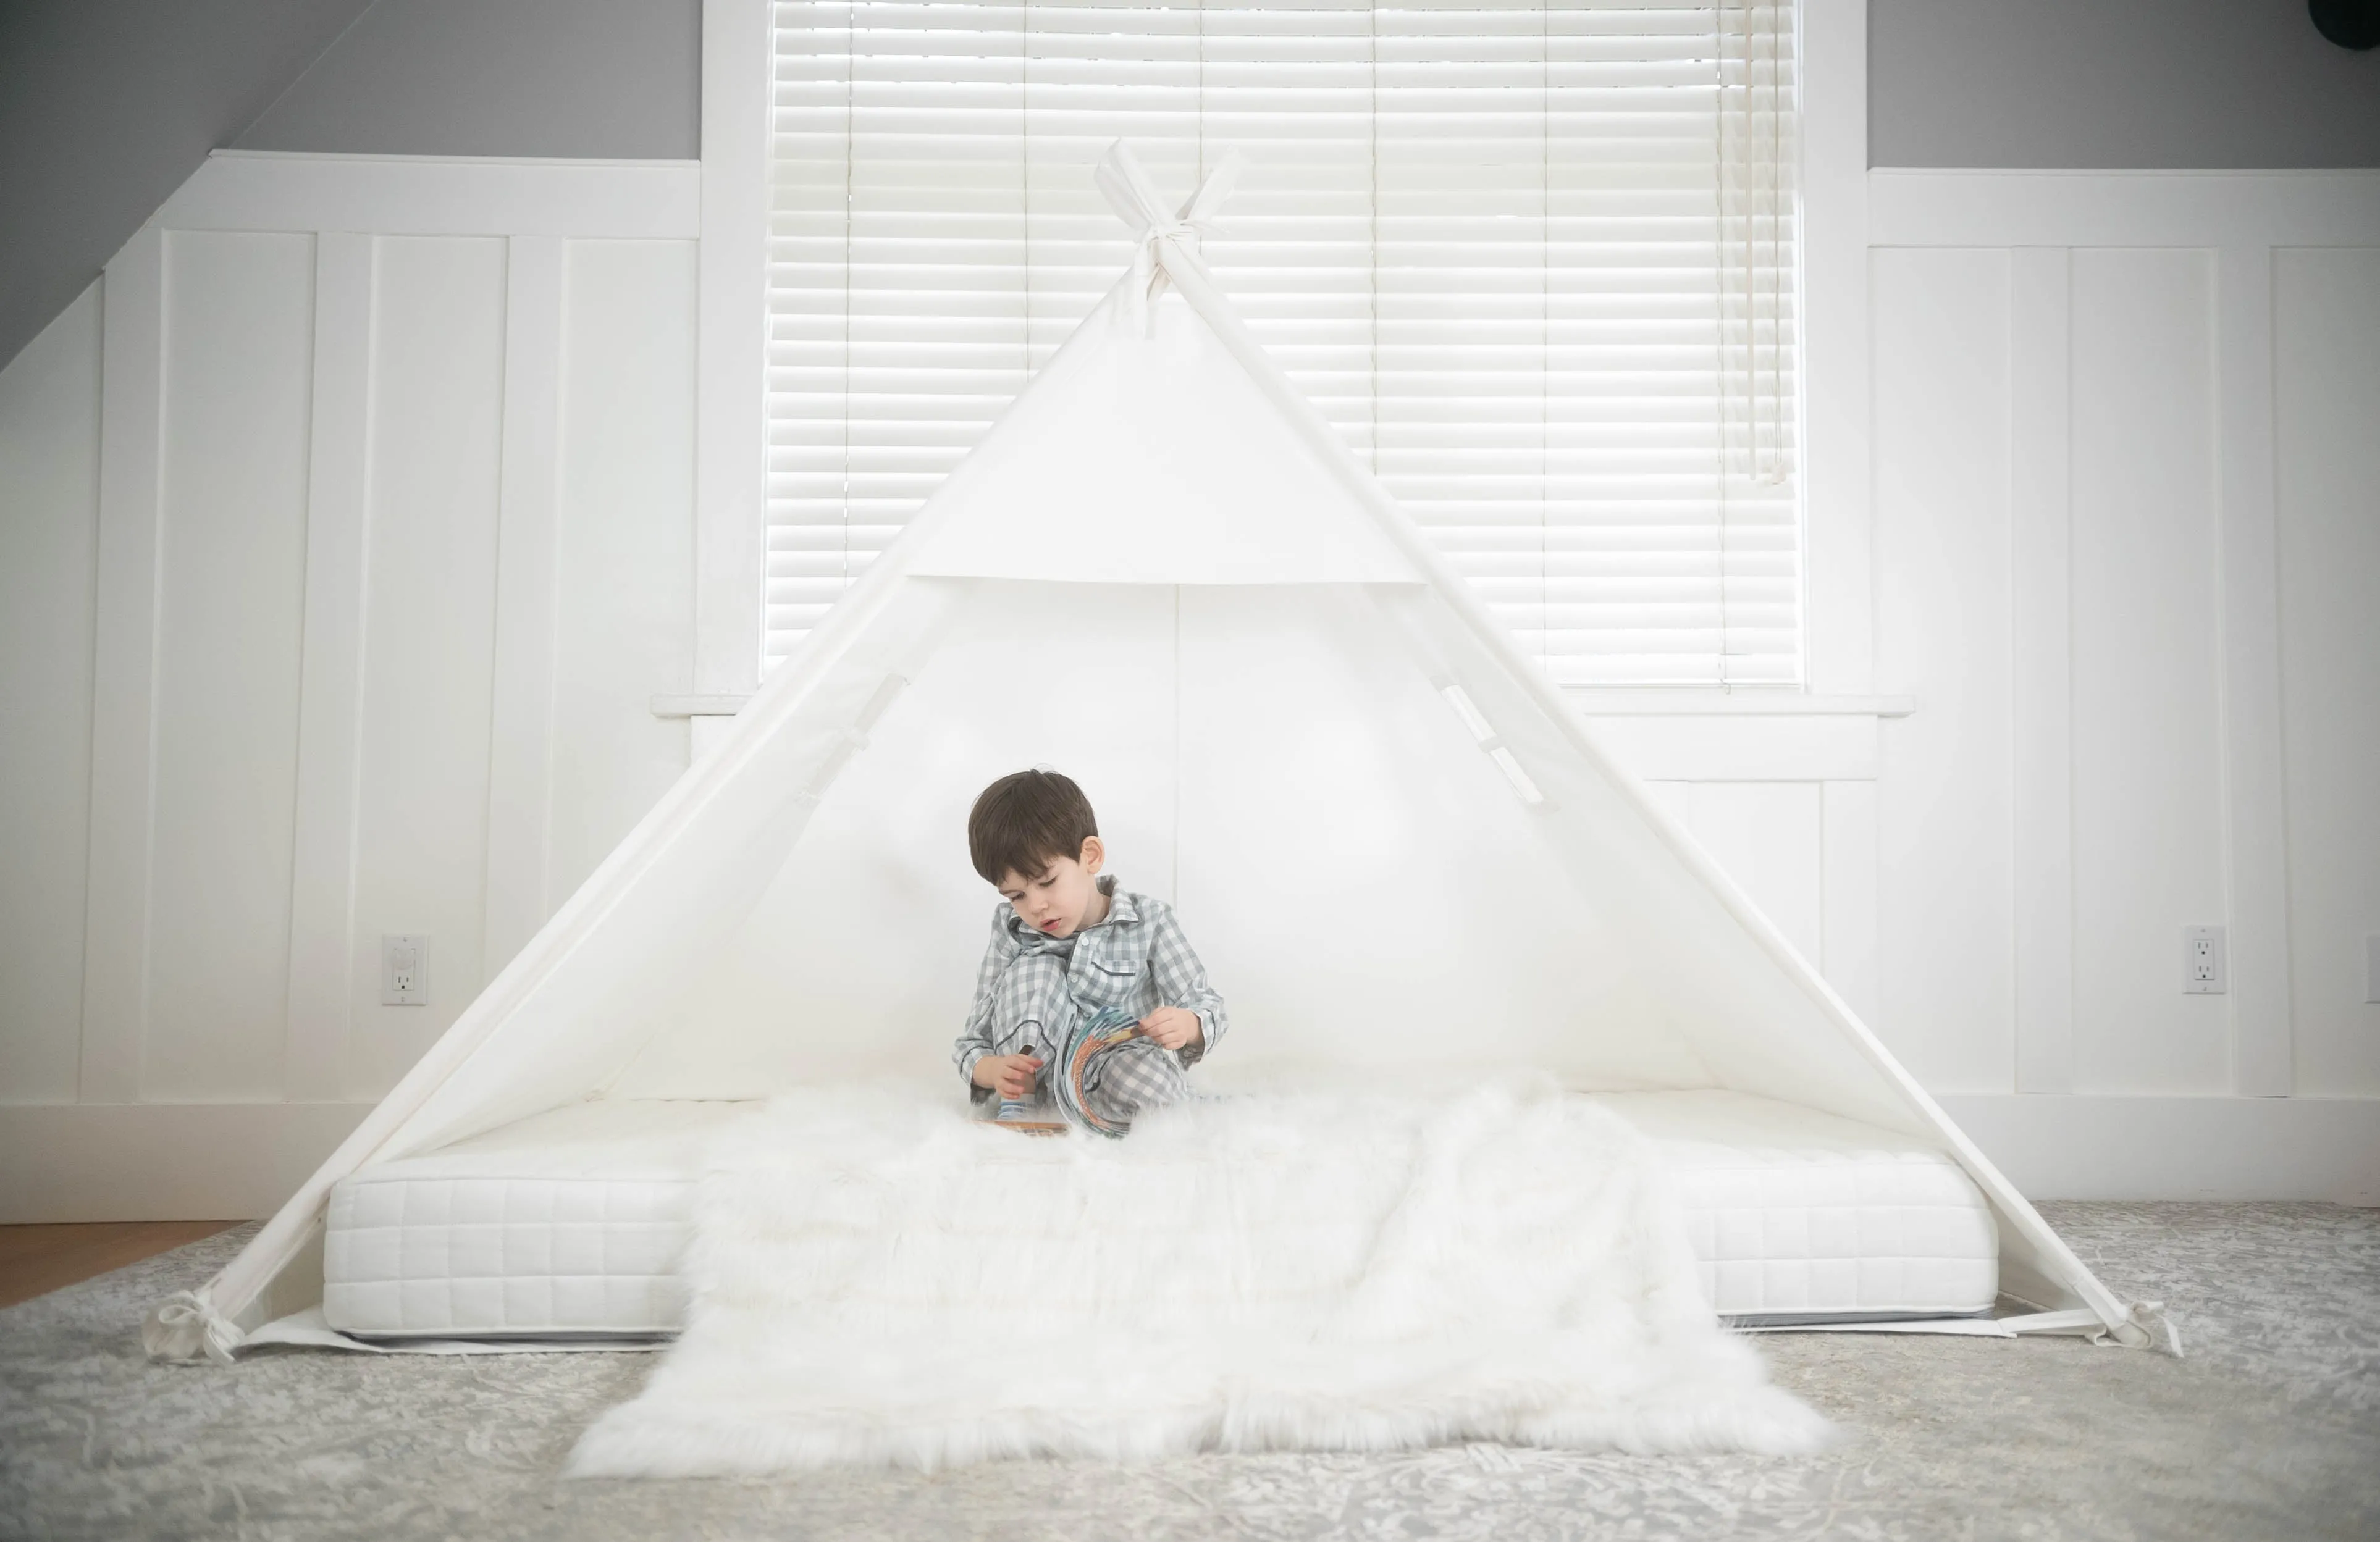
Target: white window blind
<point>1535,262</point>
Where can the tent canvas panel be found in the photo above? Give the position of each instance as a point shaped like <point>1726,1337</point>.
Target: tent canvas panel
<point>1145,429</point>
<point>634,952</point>
<point>1267,758</point>
<point>1718,985</point>
<point>1377,891</point>
<point>858,956</point>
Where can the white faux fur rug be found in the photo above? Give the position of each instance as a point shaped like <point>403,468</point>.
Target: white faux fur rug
<point>878,1280</point>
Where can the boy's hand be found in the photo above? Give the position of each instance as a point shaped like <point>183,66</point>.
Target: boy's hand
<point>1172,1026</point>
<point>1010,1075</point>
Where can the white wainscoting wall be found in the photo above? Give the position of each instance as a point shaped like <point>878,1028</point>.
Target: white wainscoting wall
<point>2126,508</point>
<point>351,558</point>
<point>349,534</point>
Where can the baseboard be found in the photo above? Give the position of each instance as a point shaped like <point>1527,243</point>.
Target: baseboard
<point>162,1161</point>
<point>2110,1148</point>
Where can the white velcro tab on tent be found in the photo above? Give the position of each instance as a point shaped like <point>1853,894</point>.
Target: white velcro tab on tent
<point>1493,744</point>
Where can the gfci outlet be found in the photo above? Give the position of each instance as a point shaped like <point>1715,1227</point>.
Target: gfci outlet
<point>2203,972</point>
<point>404,970</point>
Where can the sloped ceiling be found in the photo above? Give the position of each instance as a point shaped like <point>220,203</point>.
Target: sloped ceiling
<point>107,107</point>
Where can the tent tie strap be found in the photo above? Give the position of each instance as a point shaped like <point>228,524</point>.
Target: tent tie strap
<point>186,1326</point>
<point>1137,202</point>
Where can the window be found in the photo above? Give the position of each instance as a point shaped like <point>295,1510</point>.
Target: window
<point>1535,262</point>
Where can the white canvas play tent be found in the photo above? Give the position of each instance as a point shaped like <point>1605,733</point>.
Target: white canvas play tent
<point>1396,846</point>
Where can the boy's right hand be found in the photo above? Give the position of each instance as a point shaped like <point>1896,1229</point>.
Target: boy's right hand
<point>1010,1075</point>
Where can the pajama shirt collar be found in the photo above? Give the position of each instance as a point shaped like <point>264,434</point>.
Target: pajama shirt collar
<point>1122,911</point>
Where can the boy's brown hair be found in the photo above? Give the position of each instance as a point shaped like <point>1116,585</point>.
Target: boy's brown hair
<point>1026,820</point>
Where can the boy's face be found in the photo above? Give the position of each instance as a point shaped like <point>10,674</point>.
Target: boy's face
<point>1054,900</point>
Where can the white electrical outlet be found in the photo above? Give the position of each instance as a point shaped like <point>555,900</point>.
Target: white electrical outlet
<point>2372,967</point>
<point>404,970</point>
<point>2204,971</point>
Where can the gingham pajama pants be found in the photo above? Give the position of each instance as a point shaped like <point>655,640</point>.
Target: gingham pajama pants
<point>1034,1006</point>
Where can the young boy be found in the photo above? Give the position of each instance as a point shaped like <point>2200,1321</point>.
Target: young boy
<point>1073,957</point>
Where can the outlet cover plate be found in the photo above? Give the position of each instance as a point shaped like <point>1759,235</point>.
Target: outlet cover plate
<point>2205,970</point>
<point>2372,967</point>
<point>404,969</point>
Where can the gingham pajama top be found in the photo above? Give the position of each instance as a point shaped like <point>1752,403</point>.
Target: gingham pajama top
<point>1136,958</point>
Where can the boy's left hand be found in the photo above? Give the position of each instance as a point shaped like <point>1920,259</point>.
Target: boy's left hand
<point>1173,1027</point>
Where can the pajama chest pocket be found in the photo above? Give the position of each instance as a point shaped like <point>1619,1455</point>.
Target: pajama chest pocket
<point>1108,982</point>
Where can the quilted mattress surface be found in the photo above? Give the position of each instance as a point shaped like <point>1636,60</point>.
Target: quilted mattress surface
<point>1798,1215</point>
<point>569,1224</point>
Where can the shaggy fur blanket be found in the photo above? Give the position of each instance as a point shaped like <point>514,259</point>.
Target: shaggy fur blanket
<point>878,1280</point>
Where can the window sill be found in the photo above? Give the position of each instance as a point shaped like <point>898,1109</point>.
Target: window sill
<point>698,706</point>
<point>1594,703</point>
<point>1608,703</point>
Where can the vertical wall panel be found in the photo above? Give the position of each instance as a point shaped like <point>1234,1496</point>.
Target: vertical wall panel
<point>2041,663</point>
<point>624,549</point>
<point>49,537</point>
<point>2327,386</point>
<point>231,597</point>
<point>124,673</point>
<point>1768,835</point>
<point>330,708</point>
<point>428,636</point>
<point>1848,883</point>
<point>2255,835</point>
<point>520,749</point>
<point>2148,796</point>
<point>1943,596</point>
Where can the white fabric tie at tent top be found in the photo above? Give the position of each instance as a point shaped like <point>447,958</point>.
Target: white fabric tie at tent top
<point>1397,846</point>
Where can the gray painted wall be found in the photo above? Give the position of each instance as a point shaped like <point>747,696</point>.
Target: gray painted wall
<point>107,107</point>
<point>2091,83</point>
<point>606,80</point>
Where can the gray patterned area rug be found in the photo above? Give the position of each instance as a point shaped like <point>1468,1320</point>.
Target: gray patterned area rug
<point>2270,1428</point>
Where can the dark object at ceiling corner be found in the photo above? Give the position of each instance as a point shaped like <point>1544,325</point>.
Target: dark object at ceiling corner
<point>2348,23</point>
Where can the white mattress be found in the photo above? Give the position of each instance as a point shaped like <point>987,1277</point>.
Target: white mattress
<point>1797,1216</point>
<point>565,1224</point>
<point>569,1224</point>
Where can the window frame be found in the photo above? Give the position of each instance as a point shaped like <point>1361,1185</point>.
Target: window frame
<point>731,406</point>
